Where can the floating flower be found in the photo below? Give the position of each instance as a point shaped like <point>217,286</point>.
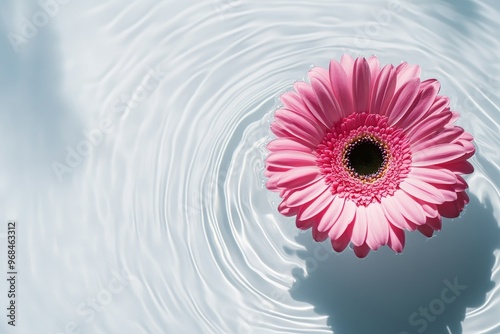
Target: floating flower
<point>364,153</point>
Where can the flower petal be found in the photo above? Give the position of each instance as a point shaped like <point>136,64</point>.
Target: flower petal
<point>450,209</point>
<point>437,155</point>
<point>321,74</point>
<point>291,159</point>
<point>304,224</point>
<point>402,100</point>
<point>311,100</point>
<point>317,235</point>
<point>378,227</point>
<point>444,136</point>
<point>341,87</point>
<point>328,107</point>
<point>299,177</point>
<point>432,125</point>
<point>409,208</point>
<point>287,144</point>
<point>433,175</point>
<point>347,63</point>
<point>360,226</point>
<point>393,214</point>
<point>361,85</point>
<point>434,222</point>
<point>441,104</point>
<point>422,190</point>
<point>292,101</point>
<point>340,243</point>
<point>272,182</point>
<point>396,239</point>
<point>383,90</point>
<point>299,127</point>
<point>273,170</point>
<point>362,250</point>
<point>301,196</point>
<point>303,137</point>
<point>423,102</point>
<point>374,69</point>
<point>331,214</point>
<point>406,72</point>
<point>461,184</point>
<point>280,132</point>
<point>460,167</point>
<point>446,190</point>
<point>430,210</point>
<point>344,220</point>
<point>426,230</point>
<point>467,144</point>
<point>317,205</point>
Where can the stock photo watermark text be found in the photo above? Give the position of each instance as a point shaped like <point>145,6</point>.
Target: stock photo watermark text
<point>87,310</point>
<point>30,25</point>
<point>421,318</point>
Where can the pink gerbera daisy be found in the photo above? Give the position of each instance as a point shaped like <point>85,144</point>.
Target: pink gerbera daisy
<point>364,153</point>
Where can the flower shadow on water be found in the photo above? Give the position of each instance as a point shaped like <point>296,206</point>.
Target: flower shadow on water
<point>426,289</point>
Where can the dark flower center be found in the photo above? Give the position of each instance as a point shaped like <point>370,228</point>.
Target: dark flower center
<point>366,158</point>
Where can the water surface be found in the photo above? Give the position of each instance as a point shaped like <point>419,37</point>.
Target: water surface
<point>162,224</point>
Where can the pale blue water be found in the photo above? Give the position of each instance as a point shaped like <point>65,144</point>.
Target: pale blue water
<point>132,139</point>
